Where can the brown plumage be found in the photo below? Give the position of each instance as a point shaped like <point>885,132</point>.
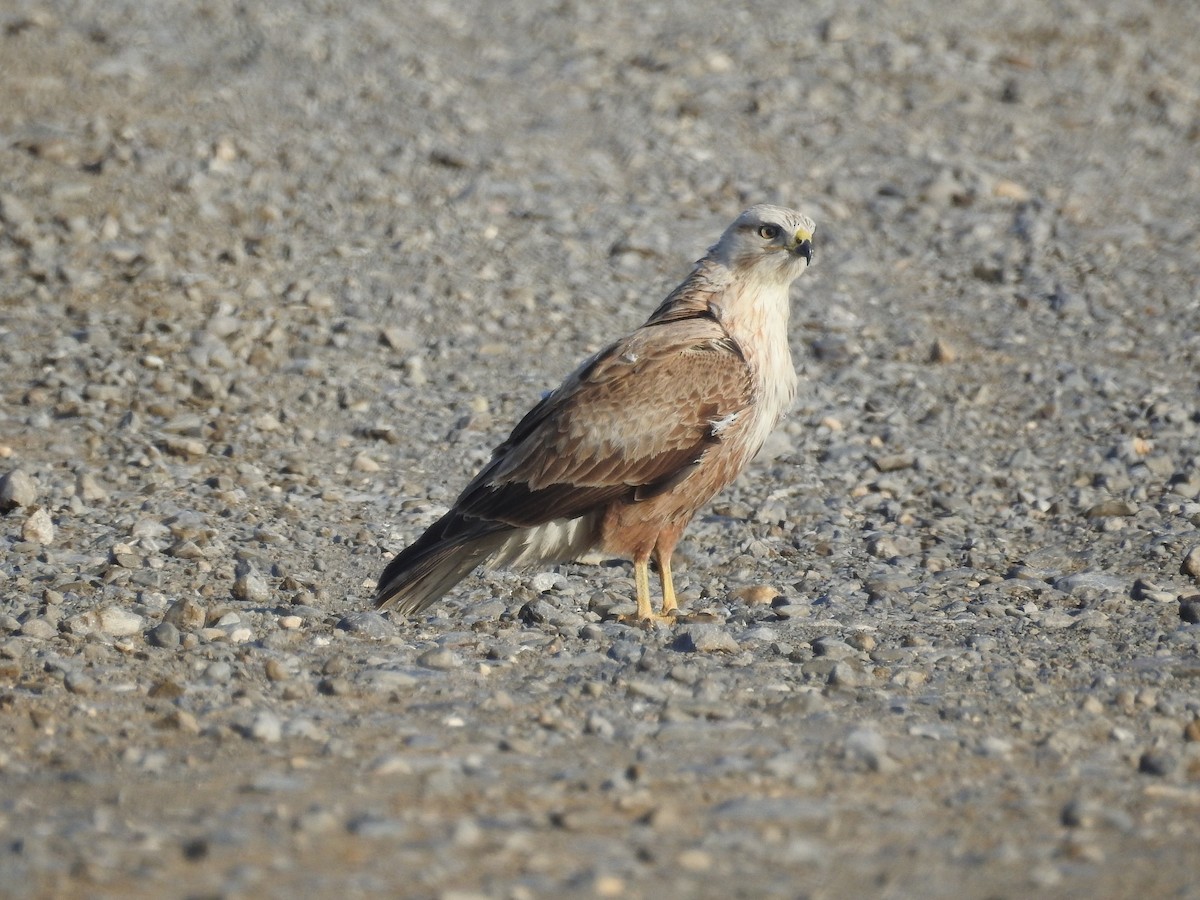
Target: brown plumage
<point>639,437</point>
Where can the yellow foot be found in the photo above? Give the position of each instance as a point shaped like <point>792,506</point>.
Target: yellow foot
<point>645,614</point>
<point>648,619</point>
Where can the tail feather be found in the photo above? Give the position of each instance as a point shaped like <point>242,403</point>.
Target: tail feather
<point>442,557</point>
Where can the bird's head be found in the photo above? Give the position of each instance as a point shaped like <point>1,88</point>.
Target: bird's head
<point>772,243</point>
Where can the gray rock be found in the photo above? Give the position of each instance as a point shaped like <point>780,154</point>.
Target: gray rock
<point>185,614</point>
<point>440,659</point>
<point>39,628</point>
<point>265,727</point>
<point>250,587</point>
<point>38,528</point>
<point>367,625</point>
<point>17,489</point>
<point>866,746</point>
<point>164,635</point>
<point>705,639</point>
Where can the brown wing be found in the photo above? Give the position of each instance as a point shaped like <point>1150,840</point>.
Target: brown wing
<point>630,422</point>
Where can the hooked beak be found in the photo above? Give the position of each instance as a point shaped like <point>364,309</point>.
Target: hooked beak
<point>803,246</point>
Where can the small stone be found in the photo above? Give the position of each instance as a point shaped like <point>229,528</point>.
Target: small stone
<point>439,659</point>
<point>1155,762</point>
<point>367,624</point>
<point>602,885</point>
<point>833,648</point>
<point>335,687</point>
<point>164,635</point>
<point>79,683</point>
<point>1191,563</point>
<point>1110,508</point>
<point>847,674</point>
<point>995,747</point>
<point>89,489</point>
<point>38,528</point>
<point>180,720</point>
<point>1078,813</point>
<point>250,587</point>
<point>894,462</point>
<point>860,640</point>
<point>111,620</point>
<point>694,860</point>
<point>266,727</point>
<point>705,639</point>
<point>542,582</point>
<point>392,764</point>
<point>1191,731</point>
<point>364,463</point>
<point>1010,190</point>
<point>600,726</point>
<point>276,671</point>
<point>17,489</point>
<point>185,550</point>
<point>166,689</point>
<point>118,622</point>
<point>39,628</point>
<point>867,746</point>
<point>316,821</point>
<point>942,352</point>
<point>185,614</point>
<point>397,338</point>
<point>182,446</point>
<point>1144,589</point>
<point>756,594</point>
<point>375,827</point>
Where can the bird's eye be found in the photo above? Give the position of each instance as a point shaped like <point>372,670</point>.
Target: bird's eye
<point>768,232</point>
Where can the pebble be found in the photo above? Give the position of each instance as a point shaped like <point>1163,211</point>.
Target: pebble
<point>111,620</point>
<point>185,614</point>
<point>1191,563</point>
<point>17,489</point>
<point>440,659</point>
<point>756,595</point>
<point>834,648</point>
<point>249,586</point>
<point>868,747</point>
<point>164,635</point>
<point>364,463</point>
<point>367,625</point>
<point>38,528</point>
<point>40,628</point>
<point>89,489</point>
<point>1157,762</point>
<point>218,672</point>
<point>265,727</point>
<point>705,639</point>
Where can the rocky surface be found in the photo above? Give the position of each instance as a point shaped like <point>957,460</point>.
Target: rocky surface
<point>275,277</point>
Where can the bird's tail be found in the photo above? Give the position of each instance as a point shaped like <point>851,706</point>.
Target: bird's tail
<point>439,559</point>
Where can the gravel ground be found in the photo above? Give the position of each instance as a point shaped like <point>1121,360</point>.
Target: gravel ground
<point>274,278</point>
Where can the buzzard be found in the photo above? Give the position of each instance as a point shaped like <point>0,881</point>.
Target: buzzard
<point>621,456</point>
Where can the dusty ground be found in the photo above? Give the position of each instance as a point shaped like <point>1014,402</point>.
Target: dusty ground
<point>275,277</point>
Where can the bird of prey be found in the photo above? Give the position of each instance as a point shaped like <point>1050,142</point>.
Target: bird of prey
<point>639,437</point>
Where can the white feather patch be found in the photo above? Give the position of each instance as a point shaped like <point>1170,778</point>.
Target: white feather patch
<point>559,540</point>
<point>716,426</point>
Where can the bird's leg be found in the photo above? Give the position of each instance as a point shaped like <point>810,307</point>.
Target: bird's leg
<point>641,577</point>
<point>645,611</point>
<point>669,607</point>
